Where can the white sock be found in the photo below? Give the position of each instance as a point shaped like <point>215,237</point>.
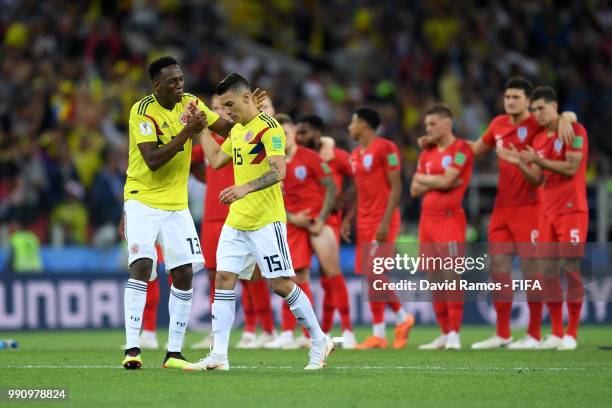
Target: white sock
<point>134,300</point>
<point>401,316</point>
<point>302,310</point>
<point>179,307</point>
<point>379,330</point>
<point>223,312</point>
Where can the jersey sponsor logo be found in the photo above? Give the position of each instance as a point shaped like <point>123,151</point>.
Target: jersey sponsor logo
<point>134,249</point>
<point>558,145</point>
<point>368,159</point>
<point>248,136</point>
<point>522,133</point>
<point>145,128</point>
<point>446,161</point>
<point>300,172</point>
<point>183,118</point>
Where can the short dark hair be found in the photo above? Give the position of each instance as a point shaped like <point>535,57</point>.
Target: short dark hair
<point>544,92</point>
<point>519,82</point>
<point>440,109</point>
<point>156,66</point>
<point>283,118</point>
<point>232,81</point>
<point>313,120</point>
<point>370,116</point>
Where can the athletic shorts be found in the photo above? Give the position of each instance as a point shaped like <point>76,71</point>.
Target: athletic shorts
<point>174,230</point>
<point>335,222</point>
<point>514,230</point>
<point>211,231</point>
<point>299,247</point>
<point>563,235</point>
<point>442,234</point>
<point>239,251</point>
<point>364,249</point>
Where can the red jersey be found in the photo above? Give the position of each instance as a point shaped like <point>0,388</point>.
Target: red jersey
<point>435,162</point>
<point>216,181</point>
<point>562,194</point>
<point>302,184</point>
<point>340,167</point>
<point>370,166</point>
<point>512,188</point>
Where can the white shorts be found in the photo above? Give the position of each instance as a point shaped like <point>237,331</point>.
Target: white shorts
<point>174,230</point>
<point>238,251</point>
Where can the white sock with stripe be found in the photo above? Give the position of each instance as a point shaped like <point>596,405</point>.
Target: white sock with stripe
<point>179,307</point>
<point>223,312</point>
<point>134,299</point>
<point>304,313</point>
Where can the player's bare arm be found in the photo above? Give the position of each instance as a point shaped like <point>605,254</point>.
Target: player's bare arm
<point>567,167</point>
<point>156,156</point>
<point>347,195</point>
<point>448,180</point>
<point>417,189</point>
<point>300,219</point>
<point>345,228</point>
<point>216,157</point>
<point>395,180</point>
<point>316,226</point>
<point>269,178</point>
<point>479,147</point>
<point>564,127</point>
<point>532,173</point>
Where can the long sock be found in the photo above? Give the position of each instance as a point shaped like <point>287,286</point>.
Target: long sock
<point>179,307</point>
<point>288,321</point>
<point>534,302</point>
<point>502,300</point>
<point>149,316</point>
<point>441,313</point>
<point>263,306</point>
<point>455,310</point>
<point>223,313</point>
<point>574,298</point>
<point>554,303</point>
<point>304,313</point>
<point>306,289</point>
<point>341,301</point>
<point>327,320</point>
<point>250,318</point>
<point>378,317</point>
<point>134,299</point>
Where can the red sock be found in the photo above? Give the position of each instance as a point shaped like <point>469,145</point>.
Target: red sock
<point>288,320</point>
<point>574,298</point>
<point>211,286</point>
<point>438,302</point>
<point>250,318</point>
<point>327,320</point>
<point>341,301</point>
<point>502,300</point>
<point>149,317</point>
<point>454,305</point>
<point>378,312</point>
<point>263,307</point>
<point>534,301</point>
<point>554,302</point>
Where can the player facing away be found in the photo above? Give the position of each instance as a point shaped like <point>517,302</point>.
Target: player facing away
<point>561,170</point>
<point>376,171</point>
<point>335,293</point>
<point>255,230</point>
<point>513,228</point>
<point>255,295</point>
<point>442,177</point>
<point>161,129</point>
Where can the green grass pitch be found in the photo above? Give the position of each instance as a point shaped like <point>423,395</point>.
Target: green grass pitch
<point>87,363</point>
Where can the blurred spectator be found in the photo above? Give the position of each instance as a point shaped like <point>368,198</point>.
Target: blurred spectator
<point>69,218</point>
<point>24,249</point>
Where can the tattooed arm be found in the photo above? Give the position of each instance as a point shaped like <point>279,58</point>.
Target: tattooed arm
<point>269,178</point>
<point>330,197</point>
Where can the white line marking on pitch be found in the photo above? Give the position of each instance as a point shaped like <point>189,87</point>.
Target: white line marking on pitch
<point>423,368</point>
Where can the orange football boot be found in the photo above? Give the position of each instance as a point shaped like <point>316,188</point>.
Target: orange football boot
<point>402,331</point>
<point>372,342</point>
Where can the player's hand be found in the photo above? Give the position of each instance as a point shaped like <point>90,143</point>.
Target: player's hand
<point>565,130</point>
<point>233,193</point>
<point>259,96</point>
<point>192,108</point>
<point>529,155</point>
<point>196,123</point>
<point>424,142</point>
<point>383,231</point>
<point>510,155</point>
<point>301,219</point>
<point>316,226</point>
<point>345,231</point>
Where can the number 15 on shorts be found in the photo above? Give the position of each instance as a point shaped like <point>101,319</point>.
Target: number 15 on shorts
<point>194,245</point>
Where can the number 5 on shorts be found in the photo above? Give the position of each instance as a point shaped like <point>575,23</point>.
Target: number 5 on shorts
<point>196,250</point>
<point>575,235</point>
<point>273,261</point>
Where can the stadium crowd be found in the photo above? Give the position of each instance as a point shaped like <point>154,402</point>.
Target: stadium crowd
<point>69,74</point>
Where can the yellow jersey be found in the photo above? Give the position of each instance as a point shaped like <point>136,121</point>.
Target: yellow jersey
<point>166,187</point>
<point>249,145</point>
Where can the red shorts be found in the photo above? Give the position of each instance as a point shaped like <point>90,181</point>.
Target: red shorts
<point>365,236</point>
<point>514,230</point>
<point>299,246</point>
<point>335,221</point>
<point>442,234</point>
<point>563,235</point>
<point>211,230</point>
